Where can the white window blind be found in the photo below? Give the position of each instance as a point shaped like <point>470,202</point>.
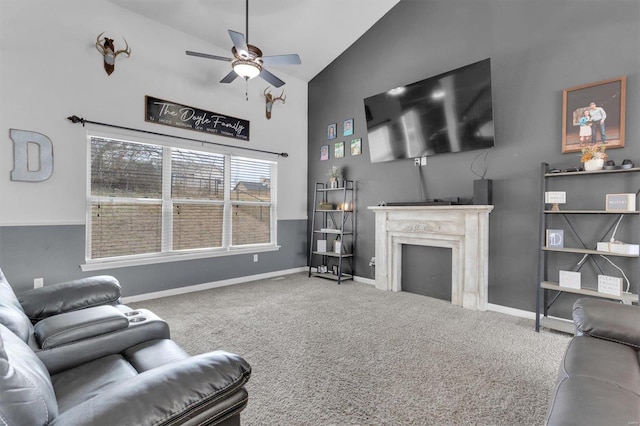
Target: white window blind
<point>251,200</point>
<point>149,200</point>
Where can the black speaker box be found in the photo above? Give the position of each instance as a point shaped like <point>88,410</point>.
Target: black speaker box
<point>482,192</point>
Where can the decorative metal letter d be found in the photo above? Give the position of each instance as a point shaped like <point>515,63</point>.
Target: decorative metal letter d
<point>21,170</point>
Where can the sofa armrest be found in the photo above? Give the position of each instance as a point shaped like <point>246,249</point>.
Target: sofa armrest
<point>208,386</point>
<point>607,320</point>
<point>55,299</point>
<point>69,327</point>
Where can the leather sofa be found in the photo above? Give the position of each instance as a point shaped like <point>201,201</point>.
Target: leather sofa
<point>599,378</point>
<point>88,360</point>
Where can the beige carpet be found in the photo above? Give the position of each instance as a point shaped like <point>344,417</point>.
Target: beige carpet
<point>328,354</point>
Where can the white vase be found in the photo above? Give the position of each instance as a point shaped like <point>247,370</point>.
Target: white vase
<point>595,164</point>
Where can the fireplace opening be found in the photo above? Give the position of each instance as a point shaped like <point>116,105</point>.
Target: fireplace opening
<point>427,271</point>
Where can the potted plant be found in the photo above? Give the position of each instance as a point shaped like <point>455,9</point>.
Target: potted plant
<point>593,156</point>
<point>335,175</point>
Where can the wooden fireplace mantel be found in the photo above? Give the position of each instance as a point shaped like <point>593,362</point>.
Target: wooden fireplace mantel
<point>463,229</point>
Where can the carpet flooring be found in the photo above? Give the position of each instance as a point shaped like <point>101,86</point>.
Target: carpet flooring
<point>328,354</point>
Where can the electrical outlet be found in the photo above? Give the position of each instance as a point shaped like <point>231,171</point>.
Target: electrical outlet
<point>416,161</point>
<point>38,282</point>
<point>255,257</point>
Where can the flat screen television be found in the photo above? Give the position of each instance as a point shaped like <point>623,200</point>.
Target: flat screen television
<point>450,112</point>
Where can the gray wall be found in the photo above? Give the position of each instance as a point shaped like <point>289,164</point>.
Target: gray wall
<point>537,49</point>
<point>55,253</point>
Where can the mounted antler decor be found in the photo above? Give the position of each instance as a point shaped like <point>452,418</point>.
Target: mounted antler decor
<point>270,100</point>
<point>108,50</point>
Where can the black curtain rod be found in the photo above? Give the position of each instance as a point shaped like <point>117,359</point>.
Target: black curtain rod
<point>75,119</point>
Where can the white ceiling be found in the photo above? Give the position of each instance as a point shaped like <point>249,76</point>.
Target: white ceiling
<point>318,30</point>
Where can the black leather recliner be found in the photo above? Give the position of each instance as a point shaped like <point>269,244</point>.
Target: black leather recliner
<point>101,363</point>
<point>73,322</point>
<point>598,381</point>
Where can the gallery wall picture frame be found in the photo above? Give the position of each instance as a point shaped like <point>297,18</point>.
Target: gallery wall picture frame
<point>324,152</point>
<point>356,146</point>
<point>584,106</point>
<point>332,131</point>
<point>347,127</point>
<point>338,150</point>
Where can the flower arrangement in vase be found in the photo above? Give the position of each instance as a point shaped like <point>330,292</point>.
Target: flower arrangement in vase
<point>335,175</point>
<point>593,156</point>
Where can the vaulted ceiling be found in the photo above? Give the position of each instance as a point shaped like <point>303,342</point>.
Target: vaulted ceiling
<point>318,30</point>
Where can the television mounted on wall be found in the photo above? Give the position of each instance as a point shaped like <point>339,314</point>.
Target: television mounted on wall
<point>450,112</point>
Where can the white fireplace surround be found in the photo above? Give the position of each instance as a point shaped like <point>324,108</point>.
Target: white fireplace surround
<point>463,229</point>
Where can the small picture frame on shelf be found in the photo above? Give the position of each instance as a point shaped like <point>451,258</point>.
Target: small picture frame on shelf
<point>337,246</point>
<point>555,238</point>
<point>335,269</point>
<point>569,279</point>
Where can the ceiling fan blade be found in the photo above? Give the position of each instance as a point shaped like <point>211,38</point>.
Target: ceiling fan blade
<point>206,55</point>
<point>275,81</point>
<point>229,77</point>
<point>292,59</point>
<point>239,42</point>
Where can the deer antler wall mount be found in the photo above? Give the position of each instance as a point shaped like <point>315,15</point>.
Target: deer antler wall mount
<point>108,50</point>
<point>270,99</point>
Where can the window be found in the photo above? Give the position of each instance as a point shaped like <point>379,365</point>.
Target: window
<point>151,200</point>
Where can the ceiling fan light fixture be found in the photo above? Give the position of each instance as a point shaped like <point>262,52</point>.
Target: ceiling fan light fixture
<point>246,69</point>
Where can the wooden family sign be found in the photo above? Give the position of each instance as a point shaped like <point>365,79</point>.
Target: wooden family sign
<point>185,117</point>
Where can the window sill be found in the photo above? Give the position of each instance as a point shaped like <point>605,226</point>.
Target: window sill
<point>97,265</point>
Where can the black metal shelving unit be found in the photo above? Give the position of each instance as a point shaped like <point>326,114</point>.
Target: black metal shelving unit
<point>549,291</point>
<point>333,219</point>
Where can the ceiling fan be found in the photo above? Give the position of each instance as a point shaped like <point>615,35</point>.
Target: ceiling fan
<point>247,61</point>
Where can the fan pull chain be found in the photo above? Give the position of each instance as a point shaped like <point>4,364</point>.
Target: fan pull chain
<point>246,89</point>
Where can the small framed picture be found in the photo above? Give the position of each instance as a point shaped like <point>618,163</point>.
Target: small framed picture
<point>356,146</point>
<point>338,150</point>
<point>332,130</point>
<point>347,127</point>
<point>324,152</point>
<point>334,269</point>
<point>555,238</point>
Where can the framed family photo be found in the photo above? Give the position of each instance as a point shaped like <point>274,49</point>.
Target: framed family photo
<point>594,113</point>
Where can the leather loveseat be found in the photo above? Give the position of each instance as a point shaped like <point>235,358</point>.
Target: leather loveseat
<point>599,378</point>
<point>102,363</point>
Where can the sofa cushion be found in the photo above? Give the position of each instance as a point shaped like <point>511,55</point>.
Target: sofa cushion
<point>608,320</point>
<point>12,315</point>
<point>602,360</point>
<point>154,353</point>
<point>84,382</point>
<point>27,394</point>
<point>581,400</point>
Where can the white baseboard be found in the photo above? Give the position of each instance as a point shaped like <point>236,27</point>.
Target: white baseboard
<point>364,280</point>
<point>208,286</point>
<point>511,311</point>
